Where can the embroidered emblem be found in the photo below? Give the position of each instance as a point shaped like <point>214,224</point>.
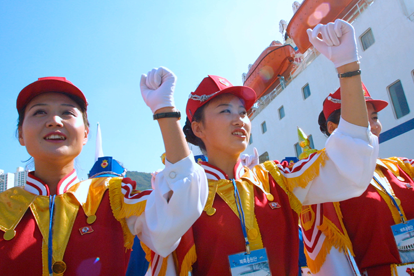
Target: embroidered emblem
<point>104,164</point>
<point>274,205</point>
<point>224,82</point>
<point>85,230</point>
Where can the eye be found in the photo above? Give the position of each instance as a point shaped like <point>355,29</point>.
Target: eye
<point>69,112</point>
<point>39,112</point>
<point>225,111</point>
<point>244,113</point>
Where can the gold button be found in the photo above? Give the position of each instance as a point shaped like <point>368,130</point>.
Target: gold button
<point>270,197</point>
<point>211,211</point>
<point>91,219</point>
<point>9,234</point>
<point>397,200</point>
<point>252,234</point>
<point>59,267</point>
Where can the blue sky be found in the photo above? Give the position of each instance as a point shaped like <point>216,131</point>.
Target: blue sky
<point>103,47</point>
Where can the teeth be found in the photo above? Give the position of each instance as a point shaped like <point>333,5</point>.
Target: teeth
<point>55,137</point>
<point>238,133</point>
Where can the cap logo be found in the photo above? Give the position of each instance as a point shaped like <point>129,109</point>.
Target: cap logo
<point>224,82</point>
<point>104,164</point>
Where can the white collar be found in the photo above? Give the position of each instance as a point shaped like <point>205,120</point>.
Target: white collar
<point>214,173</point>
<point>37,187</point>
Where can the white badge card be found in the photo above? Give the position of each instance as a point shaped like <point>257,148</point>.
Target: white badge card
<point>253,264</point>
<point>404,238</point>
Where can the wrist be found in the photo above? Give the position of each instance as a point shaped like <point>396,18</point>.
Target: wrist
<point>166,109</point>
<point>353,66</point>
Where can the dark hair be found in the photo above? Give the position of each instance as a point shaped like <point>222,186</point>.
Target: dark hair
<point>323,123</point>
<point>188,131</point>
<point>76,99</point>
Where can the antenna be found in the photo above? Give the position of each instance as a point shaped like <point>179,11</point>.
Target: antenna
<point>98,147</point>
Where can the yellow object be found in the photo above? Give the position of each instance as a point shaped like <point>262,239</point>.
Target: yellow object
<point>163,158</point>
<point>304,144</point>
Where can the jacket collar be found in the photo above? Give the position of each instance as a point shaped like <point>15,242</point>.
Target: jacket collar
<point>37,187</point>
<point>214,173</point>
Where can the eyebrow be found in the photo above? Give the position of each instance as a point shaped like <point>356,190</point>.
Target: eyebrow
<point>42,104</point>
<point>226,104</point>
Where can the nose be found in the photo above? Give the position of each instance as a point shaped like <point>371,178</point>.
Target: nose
<point>54,121</point>
<point>238,120</point>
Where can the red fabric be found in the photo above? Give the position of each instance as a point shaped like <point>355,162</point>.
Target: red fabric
<point>101,252</point>
<point>368,221</point>
<point>218,236</point>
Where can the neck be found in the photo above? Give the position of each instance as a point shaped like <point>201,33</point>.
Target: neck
<point>224,162</point>
<point>52,174</point>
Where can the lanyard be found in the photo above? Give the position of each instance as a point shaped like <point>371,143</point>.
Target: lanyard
<point>50,243</point>
<point>392,199</point>
<point>241,215</point>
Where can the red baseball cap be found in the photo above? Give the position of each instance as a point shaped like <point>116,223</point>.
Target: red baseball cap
<point>48,84</point>
<point>333,102</point>
<point>213,86</point>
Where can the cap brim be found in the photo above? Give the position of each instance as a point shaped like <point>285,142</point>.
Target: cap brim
<point>44,86</point>
<point>378,104</point>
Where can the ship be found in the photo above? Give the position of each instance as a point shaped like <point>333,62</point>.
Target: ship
<point>291,79</point>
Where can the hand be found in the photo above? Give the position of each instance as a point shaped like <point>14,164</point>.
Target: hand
<point>157,88</point>
<point>250,160</point>
<point>338,42</point>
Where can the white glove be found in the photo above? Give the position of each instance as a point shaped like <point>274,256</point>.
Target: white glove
<point>250,160</point>
<point>338,42</point>
<point>157,88</point>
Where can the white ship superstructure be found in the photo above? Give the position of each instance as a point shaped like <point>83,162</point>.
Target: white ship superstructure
<point>385,37</point>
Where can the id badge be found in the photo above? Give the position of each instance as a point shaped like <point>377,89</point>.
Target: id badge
<point>404,238</point>
<point>253,264</point>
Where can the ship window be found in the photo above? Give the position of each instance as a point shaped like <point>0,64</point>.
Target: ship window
<point>306,91</point>
<point>281,112</point>
<point>298,150</point>
<point>398,99</point>
<point>251,139</point>
<point>264,128</point>
<point>312,146</point>
<point>264,157</point>
<point>367,39</point>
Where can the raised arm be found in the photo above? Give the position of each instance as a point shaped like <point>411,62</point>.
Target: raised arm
<point>345,168</point>
<point>338,44</point>
<point>180,190</point>
<point>157,89</point>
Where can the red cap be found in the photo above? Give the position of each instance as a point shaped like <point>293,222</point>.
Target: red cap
<point>213,86</point>
<point>47,84</point>
<point>333,102</point>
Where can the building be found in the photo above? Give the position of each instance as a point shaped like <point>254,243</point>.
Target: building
<point>385,35</point>
<point>20,177</point>
<point>6,180</point>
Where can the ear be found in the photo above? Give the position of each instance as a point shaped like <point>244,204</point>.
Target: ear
<point>331,126</point>
<point>20,134</point>
<point>85,138</point>
<point>198,129</point>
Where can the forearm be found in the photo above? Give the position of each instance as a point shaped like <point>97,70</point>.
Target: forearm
<point>353,106</point>
<point>176,147</point>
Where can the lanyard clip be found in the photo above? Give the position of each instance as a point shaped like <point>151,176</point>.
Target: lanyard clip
<point>247,249</point>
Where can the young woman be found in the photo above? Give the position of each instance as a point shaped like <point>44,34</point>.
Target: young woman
<point>367,219</point>
<point>56,225</point>
<point>251,216</point>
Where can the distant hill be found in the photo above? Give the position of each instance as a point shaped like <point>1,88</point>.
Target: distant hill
<point>143,179</point>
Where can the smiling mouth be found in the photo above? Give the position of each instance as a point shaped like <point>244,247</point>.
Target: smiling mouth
<point>239,133</point>
<point>55,137</point>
